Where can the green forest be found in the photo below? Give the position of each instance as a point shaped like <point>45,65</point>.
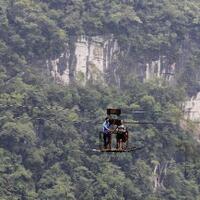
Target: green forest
<point>48,131</point>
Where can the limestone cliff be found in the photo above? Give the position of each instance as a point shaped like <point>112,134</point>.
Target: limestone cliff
<point>160,69</point>
<point>192,108</point>
<point>98,59</point>
<point>88,58</point>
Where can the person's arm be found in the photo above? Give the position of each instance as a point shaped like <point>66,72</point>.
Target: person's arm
<point>105,126</point>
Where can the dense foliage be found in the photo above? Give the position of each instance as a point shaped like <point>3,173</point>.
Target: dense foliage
<point>47,131</point>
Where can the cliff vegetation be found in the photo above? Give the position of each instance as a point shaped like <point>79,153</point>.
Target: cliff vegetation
<point>47,130</point>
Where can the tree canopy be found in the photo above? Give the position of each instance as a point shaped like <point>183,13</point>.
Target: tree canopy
<point>47,130</point>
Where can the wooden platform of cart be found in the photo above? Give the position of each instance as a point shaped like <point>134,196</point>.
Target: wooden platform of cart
<point>118,150</point>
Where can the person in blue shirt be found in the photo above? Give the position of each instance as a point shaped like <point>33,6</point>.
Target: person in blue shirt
<point>107,133</point>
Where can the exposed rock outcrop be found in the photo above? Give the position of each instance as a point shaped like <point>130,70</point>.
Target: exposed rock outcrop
<point>192,108</point>
<point>160,174</point>
<point>98,59</point>
<point>89,59</point>
<point>192,114</point>
<point>160,69</point>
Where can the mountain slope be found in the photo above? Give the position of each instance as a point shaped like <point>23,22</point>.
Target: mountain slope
<point>47,130</point>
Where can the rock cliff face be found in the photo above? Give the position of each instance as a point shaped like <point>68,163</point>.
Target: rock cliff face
<point>98,59</point>
<point>192,108</point>
<point>160,69</point>
<point>87,58</point>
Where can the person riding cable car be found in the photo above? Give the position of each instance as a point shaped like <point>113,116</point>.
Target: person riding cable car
<point>107,133</point>
<point>115,125</point>
<point>121,137</point>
